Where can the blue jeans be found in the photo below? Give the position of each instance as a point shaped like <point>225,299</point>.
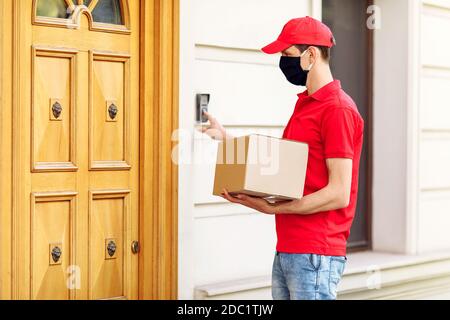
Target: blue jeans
<point>306,276</point>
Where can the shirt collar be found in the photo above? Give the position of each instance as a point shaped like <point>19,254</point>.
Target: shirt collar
<point>322,93</point>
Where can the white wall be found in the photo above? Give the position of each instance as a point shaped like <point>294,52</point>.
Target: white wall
<point>411,193</point>
<point>434,106</point>
<point>411,177</point>
<point>391,127</point>
<point>220,55</point>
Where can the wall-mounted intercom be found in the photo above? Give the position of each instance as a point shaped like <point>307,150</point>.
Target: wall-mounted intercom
<point>202,105</point>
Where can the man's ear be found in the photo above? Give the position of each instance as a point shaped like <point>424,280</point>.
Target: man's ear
<point>315,54</point>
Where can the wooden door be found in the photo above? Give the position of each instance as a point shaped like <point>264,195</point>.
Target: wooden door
<point>83,152</point>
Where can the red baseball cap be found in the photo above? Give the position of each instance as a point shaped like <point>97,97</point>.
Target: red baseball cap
<point>304,30</point>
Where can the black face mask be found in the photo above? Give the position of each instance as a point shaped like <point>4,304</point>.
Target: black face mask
<point>293,71</point>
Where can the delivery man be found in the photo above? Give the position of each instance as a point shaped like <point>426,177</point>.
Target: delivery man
<point>312,232</point>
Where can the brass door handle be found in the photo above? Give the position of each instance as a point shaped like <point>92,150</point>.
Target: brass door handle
<point>56,254</point>
<point>111,248</point>
<point>57,110</point>
<point>113,110</point>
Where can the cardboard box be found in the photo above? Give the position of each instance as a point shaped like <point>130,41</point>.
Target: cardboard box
<point>261,166</point>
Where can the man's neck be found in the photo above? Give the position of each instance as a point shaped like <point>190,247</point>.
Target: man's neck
<point>318,77</point>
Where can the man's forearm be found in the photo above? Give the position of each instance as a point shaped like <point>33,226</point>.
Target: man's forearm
<point>325,199</point>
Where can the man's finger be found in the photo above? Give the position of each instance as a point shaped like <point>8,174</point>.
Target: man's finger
<point>232,199</point>
<point>209,116</point>
<point>243,196</point>
<point>229,197</point>
<point>227,194</point>
<point>204,129</point>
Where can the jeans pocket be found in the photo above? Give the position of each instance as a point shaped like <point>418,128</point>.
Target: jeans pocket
<point>315,260</point>
<point>337,266</point>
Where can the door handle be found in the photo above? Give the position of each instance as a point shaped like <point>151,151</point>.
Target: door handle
<point>56,254</point>
<point>135,247</point>
<point>111,248</point>
<point>57,110</point>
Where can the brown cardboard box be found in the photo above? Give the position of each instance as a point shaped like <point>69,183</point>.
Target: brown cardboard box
<point>261,166</point>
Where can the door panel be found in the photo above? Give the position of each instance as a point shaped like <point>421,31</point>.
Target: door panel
<point>108,220</point>
<point>53,115</point>
<point>52,220</point>
<point>84,153</point>
<point>109,81</point>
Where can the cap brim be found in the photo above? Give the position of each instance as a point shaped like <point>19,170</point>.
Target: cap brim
<point>275,47</point>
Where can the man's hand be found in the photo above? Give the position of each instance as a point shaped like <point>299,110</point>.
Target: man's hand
<point>257,204</point>
<point>214,130</point>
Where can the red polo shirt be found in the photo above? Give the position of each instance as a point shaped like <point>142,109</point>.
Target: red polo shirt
<point>330,123</point>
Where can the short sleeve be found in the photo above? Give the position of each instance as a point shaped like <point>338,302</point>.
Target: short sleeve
<point>338,131</point>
